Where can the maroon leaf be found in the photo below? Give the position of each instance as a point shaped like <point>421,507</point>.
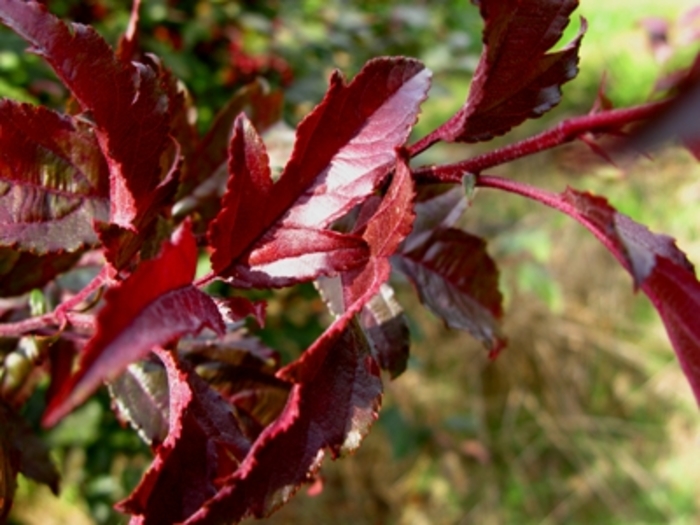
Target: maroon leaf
<point>334,402</point>
<point>458,281</point>
<point>285,255</point>
<point>153,306</point>
<point>53,180</point>
<point>22,271</point>
<point>204,443</point>
<point>437,206</point>
<point>131,117</point>
<point>21,451</point>
<point>243,371</point>
<point>677,119</point>
<point>657,266</point>
<point>388,225</point>
<point>140,397</point>
<point>385,325</point>
<point>263,108</point>
<point>516,78</point>
<point>343,151</point>
<point>384,224</point>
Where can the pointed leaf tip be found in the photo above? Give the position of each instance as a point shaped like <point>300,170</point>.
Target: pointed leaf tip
<point>517,76</point>
<point>155,305</point>
<point>344,149</point>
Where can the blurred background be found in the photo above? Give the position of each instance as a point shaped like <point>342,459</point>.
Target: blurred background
<point>584,418</point>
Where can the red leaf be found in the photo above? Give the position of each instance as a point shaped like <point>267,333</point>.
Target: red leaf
<point>385,324</point>
<point>284,255</point>
<point>343,151</point>
<point>657,266</point>
<point>126,101</point>
<point>263,108</point>
<point>243,371</point>
<point>332,406</point>
<point>54,180</point>
<point>22,271</point>
<point>153,306</point>
<point>516,78</point>
<point>458,281</point>
<point>437,206</point>
<point>21,451</point>
<point>388,225</point>
<point>204,443</point>
<point>140,397</point>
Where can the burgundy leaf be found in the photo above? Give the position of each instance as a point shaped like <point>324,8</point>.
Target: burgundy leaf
<point>677,119</point>
<point>437,206</point>
<point>204,444</point>
<point>458,281</point>
<point>238,308</point>
<point>131,117</point>
<point>388,225</point>
<point>284,255</point>
<point>517,78</point>
<point>243,371</point>
<point>343,151</point>
<point>262,107</point>
<point>21,451</point>
<point>657,266</point>
<point>384,224</point>
<point>153,306</point>
<point>386,327</point>
<point>53,180</point>
<point>334,402</point>
<point>140,397</point>
<point>22,271</point>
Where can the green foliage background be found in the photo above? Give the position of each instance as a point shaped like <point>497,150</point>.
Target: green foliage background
<point>585,418</point>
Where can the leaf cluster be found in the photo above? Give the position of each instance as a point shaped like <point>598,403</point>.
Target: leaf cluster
<point>122,186</point>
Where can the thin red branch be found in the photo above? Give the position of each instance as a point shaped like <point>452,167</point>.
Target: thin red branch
<point>564,132</point>
<point>62,314</point>
<point>547,198</point>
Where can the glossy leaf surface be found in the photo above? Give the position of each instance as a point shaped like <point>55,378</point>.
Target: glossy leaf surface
<point>517,77</point>
<point>156,305</point>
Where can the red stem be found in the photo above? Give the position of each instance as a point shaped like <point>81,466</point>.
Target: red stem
<point>62,314</point>
<point>564,132</point>
<point>550,199</point>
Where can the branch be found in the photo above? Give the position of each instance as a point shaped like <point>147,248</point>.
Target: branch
<point>566,131</point>
<point>544,197</point>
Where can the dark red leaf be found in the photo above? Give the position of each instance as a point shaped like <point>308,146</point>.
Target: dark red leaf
<point>262,107</point>
<point>388,225</point>
<point>517,78</point>
<point>343,151</point>
<point>387,329</point>
<point>140,397</point>
<point>22,271</point>
<point>204,444</point>
<point>153,306</point>
<point>458,281</point>
<point>657,266</point>
<point>243,371</point>
<point>239,308</point>
<point>127,101</point>
<point>21,450</point>
<point>331,406</point>
<point>384,224</point>
<point>284,255</point>
<point>53,180</point>
<point>437,206</point>
<point>677,119</point>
